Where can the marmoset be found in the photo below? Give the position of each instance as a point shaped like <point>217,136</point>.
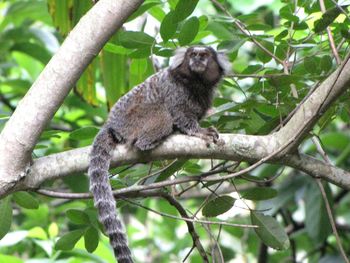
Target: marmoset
<point>173,99</point>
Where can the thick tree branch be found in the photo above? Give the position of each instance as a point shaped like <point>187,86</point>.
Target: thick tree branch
<point>35,110</point>
<point>236,147</point>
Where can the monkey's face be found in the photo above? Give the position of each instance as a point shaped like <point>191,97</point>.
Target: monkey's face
<point>199,58</point>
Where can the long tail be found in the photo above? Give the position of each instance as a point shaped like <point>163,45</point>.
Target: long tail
<point>104,201</point>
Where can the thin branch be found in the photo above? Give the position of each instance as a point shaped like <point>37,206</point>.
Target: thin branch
<point>197,221</point>
<point>258,76</point>
<point>190,226</point>
<point>246,32</point>
<point>331,220</point>
<point>145,194</point>
<point>330,36</point>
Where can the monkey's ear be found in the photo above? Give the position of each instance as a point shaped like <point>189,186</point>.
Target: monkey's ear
<point>178,58</point>
<point>224,63</point>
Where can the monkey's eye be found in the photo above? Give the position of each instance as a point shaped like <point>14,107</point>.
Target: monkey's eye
<point>192,55</point>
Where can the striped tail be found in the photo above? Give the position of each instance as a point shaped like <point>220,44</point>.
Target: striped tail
<point>104,201</point>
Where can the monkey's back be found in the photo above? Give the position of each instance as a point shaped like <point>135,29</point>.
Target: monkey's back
<point>141,113</point>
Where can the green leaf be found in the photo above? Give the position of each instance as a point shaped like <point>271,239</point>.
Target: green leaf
<point>262,27</point>
<point>84,133</point>
<point>259,193</point>
<point>143,8</point>
<point>5,216</point>
<point>286,12</point>
<point>327,18</point>
<point>85,86</point>
<point>68,241</point>
<point>168,27</point>
<point>135,39</point>
<point>138,68</point>
<point>282,35</point>
<point>262,55</point>
<point>78,217</point>
<point>171,170</point>
<point>26,200</point>
<point>34,50</point>
<point>10,259</point>
<point>316,218</point>
<point>220,31</point>
<point>270,231</point>
<point>326,63</point>
<point>311,64</point>
<point>184,8</point>
<point>189,31</point>
<point>91,239</point>
<point>141,53</point>
<point>60,12</point>
<point>116,49</point>
<point>218,206</point>
<point>20,11</point>
<point>114,74</point>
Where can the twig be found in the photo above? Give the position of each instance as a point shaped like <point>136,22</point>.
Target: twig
<point>266,76</point>
<point>331,220</point>
<point>190,226</point>
<point>143,179</point>
<point>197,221</point>
<point>330,36</point>
<point>246,32</point>
<point>264,180</point>
<point>138,194</point>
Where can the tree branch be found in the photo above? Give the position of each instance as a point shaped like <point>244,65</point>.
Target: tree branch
<point>47,93</point>
<point>235,147</point>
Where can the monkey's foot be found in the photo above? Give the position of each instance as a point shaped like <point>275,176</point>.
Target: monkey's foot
<point>210,135</point>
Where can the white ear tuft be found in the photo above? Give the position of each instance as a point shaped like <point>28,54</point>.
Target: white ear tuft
<point>178,58</point>
<point>224,63</point>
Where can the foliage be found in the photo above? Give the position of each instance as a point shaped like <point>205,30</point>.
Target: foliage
<point>263,91</point>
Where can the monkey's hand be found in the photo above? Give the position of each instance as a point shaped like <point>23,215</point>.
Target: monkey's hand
<point>210,135</point>
<point>190,126</point>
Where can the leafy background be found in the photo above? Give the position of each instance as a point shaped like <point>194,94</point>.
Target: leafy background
<point>289,210</point>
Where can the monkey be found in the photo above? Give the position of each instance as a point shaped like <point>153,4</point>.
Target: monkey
<point>173,99</point>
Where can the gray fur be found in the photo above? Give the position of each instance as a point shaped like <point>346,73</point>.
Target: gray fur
<point>175,98</point>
